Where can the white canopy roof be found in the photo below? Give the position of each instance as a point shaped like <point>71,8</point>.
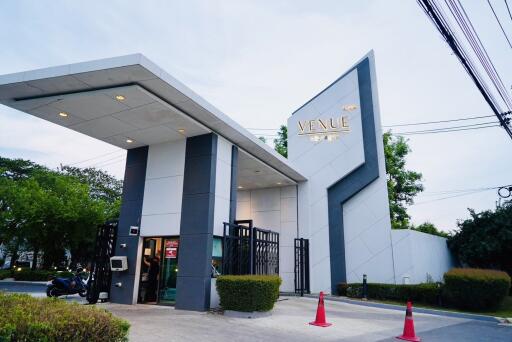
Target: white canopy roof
<point>129,102</point>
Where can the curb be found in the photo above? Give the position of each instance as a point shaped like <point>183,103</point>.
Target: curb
<point>11,281</point>
<point>416,309</point>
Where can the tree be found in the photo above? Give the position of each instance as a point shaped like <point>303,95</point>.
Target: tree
<point>403,184</point>
<point>429,228</point>
<point>263,139</point>
<point>485,239</point>
<point>281,142</point>
<point>102,186</point>
<point>48,211</point>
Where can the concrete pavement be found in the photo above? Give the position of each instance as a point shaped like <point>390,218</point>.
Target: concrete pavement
<point>288,322</point>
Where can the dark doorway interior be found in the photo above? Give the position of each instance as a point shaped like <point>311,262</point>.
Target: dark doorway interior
<point>159,269</point>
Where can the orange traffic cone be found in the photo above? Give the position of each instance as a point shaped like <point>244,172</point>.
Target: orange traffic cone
<point>409,334</point>
<point>320,313</point>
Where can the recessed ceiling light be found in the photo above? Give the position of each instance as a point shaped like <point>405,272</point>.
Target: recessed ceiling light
<point>181,130</point>
<point>63,114</point>
<point>120,97</point>
<point>240,187</point>
<point>349,108</point>
<point>279,183</point>
<point>129,141</point>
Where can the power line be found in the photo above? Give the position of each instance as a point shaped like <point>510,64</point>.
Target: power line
<point>499,22</point>
<point>96,157</point>
<point>437,17</point>
<point>453,196</point>
<point>440,121</point>
<point>508,9</point>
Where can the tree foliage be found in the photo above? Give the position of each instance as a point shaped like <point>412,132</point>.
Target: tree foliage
<point>50,212</point>
<point>281,142</point>
<point>485,239</point>
<point>429,228</point>
<point>403,184</point>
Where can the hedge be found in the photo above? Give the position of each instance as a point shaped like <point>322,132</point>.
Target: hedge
<point>248,292</point>
<point>25,318</point>
<point>471,288</point>
<point>420,293</point>
<point>5,274</point>
<point>38,275</point>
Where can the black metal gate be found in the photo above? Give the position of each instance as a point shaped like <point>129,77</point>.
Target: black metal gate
<point>101,275</point>
<point>302,266</point>
<point>249,250</point>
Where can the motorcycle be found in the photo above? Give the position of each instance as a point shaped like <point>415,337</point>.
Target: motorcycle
<point>67,286</point>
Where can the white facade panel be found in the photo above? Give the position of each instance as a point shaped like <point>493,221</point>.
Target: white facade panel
<point>274,209</point>
<point>222,186</point>
<point>163,191</point>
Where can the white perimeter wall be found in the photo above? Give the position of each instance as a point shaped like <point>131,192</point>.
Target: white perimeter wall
<point>163,192</point>
<point>417,254</point>
<point>274,209</point>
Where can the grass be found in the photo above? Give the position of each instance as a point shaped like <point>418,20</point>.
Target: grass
<point>504,310</point>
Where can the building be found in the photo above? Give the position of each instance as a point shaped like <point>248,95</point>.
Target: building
<point>190,169</point>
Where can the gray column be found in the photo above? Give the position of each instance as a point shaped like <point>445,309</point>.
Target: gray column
<point>196,229</point>
<point>234,184</point>
<point>131,211</point>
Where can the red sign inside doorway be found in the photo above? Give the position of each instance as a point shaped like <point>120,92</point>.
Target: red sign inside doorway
<point>171,253</point>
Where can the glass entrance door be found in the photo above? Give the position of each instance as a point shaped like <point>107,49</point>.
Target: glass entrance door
<point>167,288</point>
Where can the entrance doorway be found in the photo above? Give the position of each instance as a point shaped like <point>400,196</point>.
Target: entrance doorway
<point>159,269</point>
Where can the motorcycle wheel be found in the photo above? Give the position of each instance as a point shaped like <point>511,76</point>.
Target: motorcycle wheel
<point>51,291</point>
<point>82,293</point>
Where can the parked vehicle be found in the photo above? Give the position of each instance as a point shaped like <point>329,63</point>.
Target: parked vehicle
<point>67,286</point>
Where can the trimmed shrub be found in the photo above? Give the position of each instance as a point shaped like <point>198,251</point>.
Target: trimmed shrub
<point>38,275</point>
<point>25,318</point>
<point>341,288</point>
<point>248,292</point>
<point>420,293</point>
<point>475,289</point>
<point>5,274</point>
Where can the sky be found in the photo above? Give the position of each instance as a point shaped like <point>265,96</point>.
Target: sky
<point>258,61</point>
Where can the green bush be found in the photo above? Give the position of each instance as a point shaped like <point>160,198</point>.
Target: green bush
<point>25,318</point>
<point>5,274</point>
<point>248,292</point>
<point>472,288</point>
<point>341,288</point>
<point>420,293</point>
<point>38,275</point>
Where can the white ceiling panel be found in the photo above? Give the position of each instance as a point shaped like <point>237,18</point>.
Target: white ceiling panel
<point>121,141</point>
<point>54,85</point>
<point>103,127</point>
<point>148,115</point>
<point>115,76</point>
<point>50,113</point>
<point>89,105</point>
<point>155,135</point>
<point>134,96</point>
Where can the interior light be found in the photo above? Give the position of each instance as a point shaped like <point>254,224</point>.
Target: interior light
<point>63,114</point>
<point>181,130</point>
<point>129,141</point>
<point>120,97</point>
<point>240,187</point>
<point>279,183</point>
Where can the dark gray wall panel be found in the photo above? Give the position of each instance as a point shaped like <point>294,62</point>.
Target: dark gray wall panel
<point>354,182</point>
<point>131,211</point>
<point>196,229</point>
